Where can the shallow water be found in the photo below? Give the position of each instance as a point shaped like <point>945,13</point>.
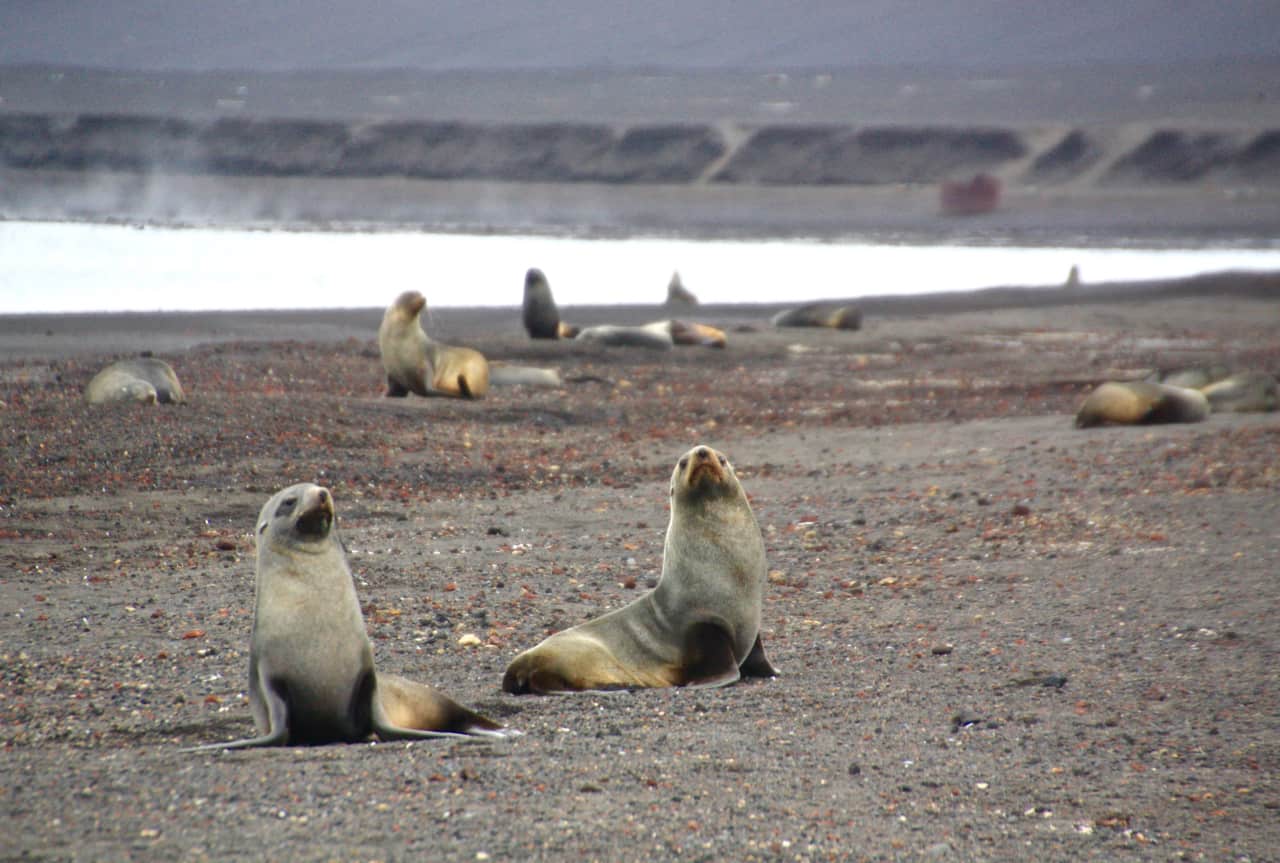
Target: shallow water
<point>77,267</point>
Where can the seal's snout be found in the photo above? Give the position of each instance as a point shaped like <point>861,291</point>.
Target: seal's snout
<point>702,454</point>
<point>317,515</point>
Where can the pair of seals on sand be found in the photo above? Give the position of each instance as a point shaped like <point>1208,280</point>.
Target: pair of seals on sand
<point>142,379</point>
<point>541,319</point>
<point>1184,396</point>
<point>311,672</point>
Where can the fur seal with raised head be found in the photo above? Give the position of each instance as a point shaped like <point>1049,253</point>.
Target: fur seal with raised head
<point>311,673</point>
<point>141,379</point>
<point>833,316</point>
<point>414,363</point>
<point>539,312</point>
<point>699,627</point>
<point>1141,402</point>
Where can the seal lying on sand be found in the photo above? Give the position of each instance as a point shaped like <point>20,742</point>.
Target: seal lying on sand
<point>699,627</point>
<point>142,379</point>
<point>682,333</point>
<point>1141,402</point>
<point>311,675</point>
<point>615,335</point>
<point>539,312</point>
<point>830,315</point>
<point>416,364</point>
<point>1242,392</point>
<point>1227,392</point>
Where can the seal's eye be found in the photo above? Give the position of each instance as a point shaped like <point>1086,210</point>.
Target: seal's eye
<point>286,506</point>
<point>724,462</point>
<point>684,463</point>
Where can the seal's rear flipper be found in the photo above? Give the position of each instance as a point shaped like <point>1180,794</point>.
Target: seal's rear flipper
<point>464,388</point>
<point>405,710</point>
<point>708,656</point>
<point>757,664</point>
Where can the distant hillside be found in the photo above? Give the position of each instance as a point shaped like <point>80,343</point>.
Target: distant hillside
<point>660,34</point>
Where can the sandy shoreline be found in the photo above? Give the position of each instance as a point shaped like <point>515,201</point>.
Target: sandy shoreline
<point>940,539</point>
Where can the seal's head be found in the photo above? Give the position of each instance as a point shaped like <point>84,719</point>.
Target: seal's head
<point>300,517</point>
<point>703,472</point>
<point>410,304</point>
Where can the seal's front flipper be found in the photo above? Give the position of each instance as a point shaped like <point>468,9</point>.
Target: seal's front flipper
<point>405,710</point>
<point>277,724</point>
<point>395,389</point>
<point>757,664</point>
<point>708,656</point>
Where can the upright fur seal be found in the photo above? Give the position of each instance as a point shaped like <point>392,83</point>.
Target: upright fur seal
<point>678,296</point>
<point>1141,402</point>
<point>142,379</point>
<point>699,627</point>
<point>416,364</point>
<point>539,312</point>
<point>831,315</point>
<point>311,674</point>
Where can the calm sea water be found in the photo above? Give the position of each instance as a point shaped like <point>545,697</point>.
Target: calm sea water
<point>55,267</point>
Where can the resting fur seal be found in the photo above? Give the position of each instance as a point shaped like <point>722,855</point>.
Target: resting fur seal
<point>1193,378</point>
<point>682,333</point>
<point>311,674</point>
<point>1141,402</point>
<point>699,627</point>
<point>1242,392</point>
<point>830,315</point>
<point>416,364</point>
<point>142,379</point>
<point>615,335</point>
<point>539,312</point>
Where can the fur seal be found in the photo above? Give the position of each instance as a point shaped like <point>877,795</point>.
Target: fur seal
<point>503,375</point>
<point>1141,402</point>
<point>830,315</point>
<point>1192,378</point>
<point>1242,392</point>
<point>142,379</point>
<point>682,333</point>
<point>699,627</point>
<point>615,335</point>
<point>416,364</point>
<point>678,296</point>
<point>539,312</point>
<point>311,674</point>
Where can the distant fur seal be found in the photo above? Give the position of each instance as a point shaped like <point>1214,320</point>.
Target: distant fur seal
<point>830,315</point>
<point>678,296</point>
<point>503,375</point>
<point>1141,402</point>
<point>539,312</point>
<point>1242,392</point>
<point>615,335</point>
<point>682,333</point>
<point>142,379</point>
<point>311,674</point>
<point>416,364</point>
<point>1193,377</point>
<point>699,627</point>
